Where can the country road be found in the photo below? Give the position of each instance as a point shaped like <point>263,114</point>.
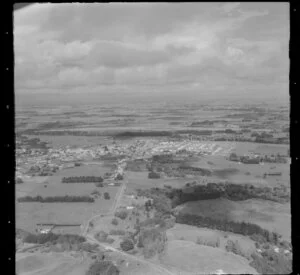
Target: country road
<point>114,207</point>
<point>106,246</point>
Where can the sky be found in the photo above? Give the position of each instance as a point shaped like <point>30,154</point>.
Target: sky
<point>147,49</point>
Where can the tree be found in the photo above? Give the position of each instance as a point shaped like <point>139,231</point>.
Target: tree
<point>101,236</point>
<point>114,221</point>
<point>103,268</point>
<point>19,181</point>
<point>153,175</point>
<point>122,214</point>
<point>127,245</point>
<point>106,196</point>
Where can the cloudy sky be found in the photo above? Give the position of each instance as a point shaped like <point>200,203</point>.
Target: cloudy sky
<point>142,47</point>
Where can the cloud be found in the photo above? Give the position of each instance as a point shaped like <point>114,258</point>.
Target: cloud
<point>117,55</point>
<point>171,46</point>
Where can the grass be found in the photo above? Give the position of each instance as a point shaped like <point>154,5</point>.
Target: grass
<point>191,233</point>
<point>27,215</point>
<point>191,257</point>
<point>54,263</point>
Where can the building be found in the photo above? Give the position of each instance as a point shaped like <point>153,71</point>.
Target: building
<point>44,228</point>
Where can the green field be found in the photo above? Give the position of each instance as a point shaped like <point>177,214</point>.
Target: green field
<point>28,214</point>
<point>191,233</point>
<point>191,257</point>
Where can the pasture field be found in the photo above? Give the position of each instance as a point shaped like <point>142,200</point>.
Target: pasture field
<point>50,264</point>
<point>267,214</point>
<point>141,180</point>
<point>260,148</point>
<point>191,257</point>
<point>30,213</point>
<point>191,233</point>
<point>236,172</point>
<point>52,185</point>
<point>58,141</point>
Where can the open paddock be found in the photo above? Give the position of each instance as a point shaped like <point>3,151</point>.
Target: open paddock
<point>51,264</point>
<point>140,180</point>
<point>236,172</point>
<point>192,233</point>
<point>191,257</point>
<point>29,214</point>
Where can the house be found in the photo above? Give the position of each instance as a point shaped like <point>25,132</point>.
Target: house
<point>44,228</point>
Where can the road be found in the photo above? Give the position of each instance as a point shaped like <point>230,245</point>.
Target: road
<point>111,212</point>
<point>106,246</point>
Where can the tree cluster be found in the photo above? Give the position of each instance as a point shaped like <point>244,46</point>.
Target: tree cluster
<point>121,214</point>
<point>56,199</point>
<point>247,229</point>
<point>103,268</point>
<point>271,262</point>
<point>106,196</point>
<point>53,238</point>
<point>153,175</point>
<point>19,181</point>
<point>117,232</point>
<point>127,244</point>
<point>234,247</point>
<point>230,191</point>
<point>153,241</point>
<point>212,243</point>
<point>81,179</point>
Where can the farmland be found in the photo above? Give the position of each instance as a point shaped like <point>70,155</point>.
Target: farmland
<point>155,176</point>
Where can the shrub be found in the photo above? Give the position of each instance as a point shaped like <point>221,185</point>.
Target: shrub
<point>114,221</point>
<point>122,214</point>
<point>243,228</point>
<point>101,236</point>
<point>285,244</point>
<point>119,232</point>
<point>153,175</point>
<point>19,181</point>
<point>271,263</point>
<point>103,268</point>
<point>234,247</point>
<point>127,245</point>
<point>56,199</point>
<point>88,247</point>
<point>82,179</point>
<point>258,238</point>
<point>53,238</point>
<point>153,241</point>
<point>109,240</point>
<point>119,177</point>
<point>212,243</point>
<point>99,184</point>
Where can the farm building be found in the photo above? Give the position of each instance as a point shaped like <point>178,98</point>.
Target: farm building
<point>44,228</point>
